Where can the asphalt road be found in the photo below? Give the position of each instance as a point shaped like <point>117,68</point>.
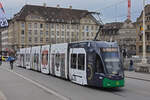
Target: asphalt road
<point>22,84</point>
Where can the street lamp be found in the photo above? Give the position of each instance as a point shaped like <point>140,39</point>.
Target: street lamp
<point>144,60</point>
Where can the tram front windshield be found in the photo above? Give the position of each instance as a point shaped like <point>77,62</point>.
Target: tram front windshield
<point>111,60</point>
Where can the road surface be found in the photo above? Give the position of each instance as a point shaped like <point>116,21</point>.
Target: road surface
<point>23,84</point>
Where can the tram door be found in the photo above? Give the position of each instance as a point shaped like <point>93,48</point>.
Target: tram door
<point>77,66</point>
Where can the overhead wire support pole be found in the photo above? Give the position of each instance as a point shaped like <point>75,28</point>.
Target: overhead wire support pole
<point>99,22</point>
<point>144,60</point>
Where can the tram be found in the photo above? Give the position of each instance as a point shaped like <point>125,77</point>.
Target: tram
<point>92,63</point>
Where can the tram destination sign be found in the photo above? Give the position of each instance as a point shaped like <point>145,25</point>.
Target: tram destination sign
<point>109,49</point>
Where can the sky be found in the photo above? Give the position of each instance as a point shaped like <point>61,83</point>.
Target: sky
<point>110,10</point>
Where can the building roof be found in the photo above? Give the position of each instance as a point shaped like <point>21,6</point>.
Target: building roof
<point>147,12</point>
<point>52,13</point>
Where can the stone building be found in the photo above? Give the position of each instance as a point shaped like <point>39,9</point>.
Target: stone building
<point>139,35</point>
<point>4,39</point>
<point>40,25</point>
<point>122,32</point>
<point>1,30</point>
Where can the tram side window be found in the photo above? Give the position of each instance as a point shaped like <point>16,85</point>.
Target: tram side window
<point>99,65</point>
<point>81,61</point>
<point>73,60</point>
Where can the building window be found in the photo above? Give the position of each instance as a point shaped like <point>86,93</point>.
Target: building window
<point>22,25</point>
<point>30,32</point>
<point>35,32</point>
<point>35,25</point>
<point>148,48</point>
<point>72,26</point>
<point>30,39</point>
<point>57,26</point>
<point>41,25</point>
<point>83,27</point>
<point>22,32</point>
<point>22,46</point>
<point>140,49</point>
<point>68,27</point>
<point>46,26</point>
<point>35,39</point>
<point>52,40</point>
<point>53,33</point>
<point>77,35</point>
<point>22,39</point>
<point>87,28</point>
<point>140,38</point>
<point>68,33</point>
<point>63,26</point>
<point>41,39</point>
<point>92,28</point>
<point>30,25</point>
<point>92,34</point>
<point>62,33</point>
<point>57,33</point>
<point>96,27</point>
<point>62,40</point>
<point>77,27</point>
<point>41,32</point>
<point>148,27</point>
<point>72,34</point>
<point>148,36</point>
<point>83,34</point>
<point>87,34</point>
<point>46,32</point>
<point>47,39</point>
<point>52,25</point>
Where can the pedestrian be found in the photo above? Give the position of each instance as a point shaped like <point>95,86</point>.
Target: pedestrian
<point>131,65</point>
<point>11,60</point>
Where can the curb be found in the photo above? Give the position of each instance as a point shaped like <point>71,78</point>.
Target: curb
<point>137,78</point>
<point>2,96</point>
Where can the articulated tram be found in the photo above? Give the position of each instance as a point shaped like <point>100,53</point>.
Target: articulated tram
<point>92,63</point>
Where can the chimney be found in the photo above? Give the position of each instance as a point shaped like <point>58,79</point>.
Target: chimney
<point>70,7</point>
<point>58,6</point>
<point>44,4</point>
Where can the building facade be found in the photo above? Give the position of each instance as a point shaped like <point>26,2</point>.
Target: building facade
<point>4,39</point>
<point>40,25</point>
<point>122,32</point>
<point>1,30</point>
<point>139,35</point>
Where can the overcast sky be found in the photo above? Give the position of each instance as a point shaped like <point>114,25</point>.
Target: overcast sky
<point>111,10</point>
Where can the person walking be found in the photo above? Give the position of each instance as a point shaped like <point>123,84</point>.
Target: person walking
<point>11,63</point>
<point>131,65</point>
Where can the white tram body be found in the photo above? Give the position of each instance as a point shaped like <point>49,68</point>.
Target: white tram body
<point>28,58</point>
<point>35,58</point>
<point>58,60</point>
<point>18,63</point>
<point>22,57</point>
<point>45,53</point>
<point>84,63</point>
<point>77,65</point>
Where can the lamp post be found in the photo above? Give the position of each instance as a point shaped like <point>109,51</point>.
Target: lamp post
<point>144,60</point>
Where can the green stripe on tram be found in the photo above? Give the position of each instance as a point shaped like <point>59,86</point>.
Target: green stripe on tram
<point>107,83</point>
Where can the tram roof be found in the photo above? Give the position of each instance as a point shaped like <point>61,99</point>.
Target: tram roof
<point>99,43</point>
